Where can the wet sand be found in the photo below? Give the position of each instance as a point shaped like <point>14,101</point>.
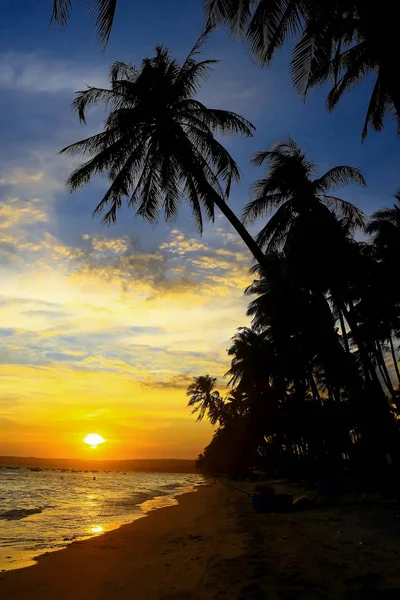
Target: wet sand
<point>212,546</point>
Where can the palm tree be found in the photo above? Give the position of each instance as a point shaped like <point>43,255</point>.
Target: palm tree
<point>205,398</point>
<point>236,404</point>
<point>264,25</point>
<point>342,40</point>
<point>253,360</point>
<point>292,191</point>
<point>158,146</point>
<point>310,225</point>
<point>345,42</point>
<point>384,227</point>
<point>103,12</point>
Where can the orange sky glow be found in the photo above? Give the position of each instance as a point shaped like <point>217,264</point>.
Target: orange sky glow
<point>94,339</point>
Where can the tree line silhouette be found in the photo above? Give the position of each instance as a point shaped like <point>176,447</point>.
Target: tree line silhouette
<point>312,379</point>
<point>312,386</point>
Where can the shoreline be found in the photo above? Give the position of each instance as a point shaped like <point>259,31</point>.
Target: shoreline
<point>95,566</point>
<point>213,546</point>
<point>28,558</point>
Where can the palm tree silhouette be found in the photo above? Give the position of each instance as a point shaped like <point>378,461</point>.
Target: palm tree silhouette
<point>291,190</point>
<point>385,229</point>
<point>158,145</point>
<point>342,41</point>
<point>103,12</point>
<point>253,359</point>
<point>205,399</point>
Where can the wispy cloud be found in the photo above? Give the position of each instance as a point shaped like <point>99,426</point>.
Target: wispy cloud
<point>34,74</point>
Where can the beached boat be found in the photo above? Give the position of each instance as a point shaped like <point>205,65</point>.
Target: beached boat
<point>271,503</point>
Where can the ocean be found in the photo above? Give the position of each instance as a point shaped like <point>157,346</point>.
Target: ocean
<point>42,511</point>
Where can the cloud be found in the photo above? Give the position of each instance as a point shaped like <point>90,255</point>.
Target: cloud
<point>179,265</point>
<point>16,212</point>
<point>35,74</point>
<point>21,177</point>
<point>174,382</point>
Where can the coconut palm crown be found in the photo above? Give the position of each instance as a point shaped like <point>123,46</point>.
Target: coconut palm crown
<point>158,145</point>
<point>291,189</point>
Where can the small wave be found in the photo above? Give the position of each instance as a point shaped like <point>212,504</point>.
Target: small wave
<point>134,500</point>
<point>19,513</point>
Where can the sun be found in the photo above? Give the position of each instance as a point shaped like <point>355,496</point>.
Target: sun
<point>93,440</point>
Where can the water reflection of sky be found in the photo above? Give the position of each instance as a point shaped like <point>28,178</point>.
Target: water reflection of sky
<point>75,507</point>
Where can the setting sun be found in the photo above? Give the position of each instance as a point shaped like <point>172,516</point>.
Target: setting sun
<point>94,439</point>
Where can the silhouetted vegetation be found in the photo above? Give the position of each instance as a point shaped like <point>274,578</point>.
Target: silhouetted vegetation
<point>103,12</point>
<point>158,146</point>
<point>341,41</point>
<point>312,392</point>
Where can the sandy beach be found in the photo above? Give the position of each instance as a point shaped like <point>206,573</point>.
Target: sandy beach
<point>213,546</point>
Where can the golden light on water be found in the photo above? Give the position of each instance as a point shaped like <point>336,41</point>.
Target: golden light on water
<point>97,529</point>
<point>93,440</point>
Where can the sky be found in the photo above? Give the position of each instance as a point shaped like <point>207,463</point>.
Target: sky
<point>102,328</point>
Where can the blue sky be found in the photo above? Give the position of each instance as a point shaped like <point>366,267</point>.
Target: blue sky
<point>116,320</point>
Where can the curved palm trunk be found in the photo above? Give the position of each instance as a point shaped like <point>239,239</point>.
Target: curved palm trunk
<point>344,333</point>
<point>382,373</point>
<point>241,230</point>
<point>380,427</point>
<point>394,357</point>
<point>365,361</point>
<point>314,389</point>
<point>383,367</point>
<point>227,212</point>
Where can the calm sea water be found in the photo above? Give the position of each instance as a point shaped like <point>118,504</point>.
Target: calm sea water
<point>44,511</point>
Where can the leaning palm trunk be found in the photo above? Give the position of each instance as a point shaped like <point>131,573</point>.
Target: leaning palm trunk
<point>378,424</point>
<point>367,366</point>
<point>394,358</point>
<point>314,389</point>
<point>344,332</point>
<point>383,369</point>
<point>252,245</point>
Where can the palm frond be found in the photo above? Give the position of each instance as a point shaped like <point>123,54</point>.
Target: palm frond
<point>270,25</point>
<point>273,235</point>
<point>103,11</point>
<point>264,201</point>
<point>338,176</point>
<point>121,71</point>
<point>379,105</point>
<point>92,97</point>
<point>353,215</point>
<point>234,12</point>
<point>355,64</point>
<point>311,58</point>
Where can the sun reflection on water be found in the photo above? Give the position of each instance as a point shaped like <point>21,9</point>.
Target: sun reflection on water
<point>97,529</point>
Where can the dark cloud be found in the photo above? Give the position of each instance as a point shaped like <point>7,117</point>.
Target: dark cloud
<point>174,382</point>
<point>9,248</point>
